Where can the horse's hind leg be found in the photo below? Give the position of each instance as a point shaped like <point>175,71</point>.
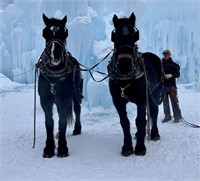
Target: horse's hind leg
<point>154,116</point>
<point>77,110</point>
<point>49,123</point>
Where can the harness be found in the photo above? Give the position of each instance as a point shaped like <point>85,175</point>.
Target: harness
<point>69,66</point>
<point>136,72</point>
<point>45,67</point>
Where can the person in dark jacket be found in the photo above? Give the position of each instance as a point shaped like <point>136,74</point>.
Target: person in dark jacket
<point>171,72</point>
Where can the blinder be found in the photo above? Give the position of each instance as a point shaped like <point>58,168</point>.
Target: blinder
<point>48,34</point>
<point>134,36</point>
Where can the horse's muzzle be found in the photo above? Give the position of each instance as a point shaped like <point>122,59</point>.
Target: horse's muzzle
<point>55,62</point>
<point>124,63</point>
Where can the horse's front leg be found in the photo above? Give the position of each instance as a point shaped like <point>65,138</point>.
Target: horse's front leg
<point>49,123</point>
<point>64,108</point>
<point>120,105</point>
<point>140,148</point>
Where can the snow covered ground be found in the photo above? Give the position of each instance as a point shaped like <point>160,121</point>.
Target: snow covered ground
<point>95,155</point>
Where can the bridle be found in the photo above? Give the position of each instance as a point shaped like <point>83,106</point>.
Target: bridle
<point>124,38</point>
<point>50,46</point>
<point>48,68</point>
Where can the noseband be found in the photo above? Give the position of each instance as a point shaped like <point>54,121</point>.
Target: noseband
<point>124,56</point>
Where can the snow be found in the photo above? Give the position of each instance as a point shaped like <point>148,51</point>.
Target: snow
<point>95,154</point>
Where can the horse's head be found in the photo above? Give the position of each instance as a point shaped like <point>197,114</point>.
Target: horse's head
<point>124,37</point>
<point>55,34</point>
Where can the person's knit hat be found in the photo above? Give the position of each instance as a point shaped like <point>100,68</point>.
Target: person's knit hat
<point>166,51</point>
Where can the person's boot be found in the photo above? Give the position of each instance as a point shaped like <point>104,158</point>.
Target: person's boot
<point>166,119</point>
<point>177,119</point>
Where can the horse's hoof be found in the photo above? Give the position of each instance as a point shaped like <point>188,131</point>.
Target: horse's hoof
<point>127,153</point>
<point>140,153</point>
<point>127,150</point>
<point>62,152</point>
<point>155,138</point>
<point>48,155</point>
<point>76,132</point>
<point>140,150</point>
<point>48,152</point>
<point>62,155</point>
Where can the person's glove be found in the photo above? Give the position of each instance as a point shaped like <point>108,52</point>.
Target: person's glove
<point>167,76</point>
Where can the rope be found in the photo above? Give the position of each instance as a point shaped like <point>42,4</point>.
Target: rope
<point>148,109</point>
<point>91,69</point>
<point>88,70</point>
<point>189,124</point>
<point>34,127</point>
<point>18,74</point>
<point>98,80</point>
<point>101,60</point>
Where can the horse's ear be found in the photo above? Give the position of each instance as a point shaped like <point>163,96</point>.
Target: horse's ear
<point>64,20</point>
<point>132,18</point>
<point>45,19</point>
<point>115,20</point>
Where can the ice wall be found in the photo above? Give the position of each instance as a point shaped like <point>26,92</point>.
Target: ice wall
<point>175,25</point>
<point>166,24</point>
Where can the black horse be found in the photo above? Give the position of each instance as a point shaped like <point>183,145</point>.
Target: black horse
<point>60,83</point>
<point>131,72</point>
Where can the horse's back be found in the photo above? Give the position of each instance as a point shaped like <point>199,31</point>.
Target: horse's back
<point>154,75</point>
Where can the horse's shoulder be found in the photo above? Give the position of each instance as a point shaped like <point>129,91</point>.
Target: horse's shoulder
<point>149,55</point>
<point>72,59</point>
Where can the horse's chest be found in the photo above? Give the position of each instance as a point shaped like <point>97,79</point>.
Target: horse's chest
<point>133,91</point>
<point>57,88</point>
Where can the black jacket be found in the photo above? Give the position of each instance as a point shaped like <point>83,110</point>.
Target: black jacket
<point>170,67</point>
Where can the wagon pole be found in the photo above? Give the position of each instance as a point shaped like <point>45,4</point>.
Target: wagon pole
<point>147,104</point>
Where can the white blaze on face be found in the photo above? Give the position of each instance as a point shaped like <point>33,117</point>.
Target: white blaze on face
<point>52,50</point>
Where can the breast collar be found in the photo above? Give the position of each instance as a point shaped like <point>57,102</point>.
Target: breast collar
<point>136,72</point>
<point>66,68</point>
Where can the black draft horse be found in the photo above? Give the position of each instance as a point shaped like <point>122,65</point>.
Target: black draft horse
<point>128,81</point>
<point>60,83</point>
